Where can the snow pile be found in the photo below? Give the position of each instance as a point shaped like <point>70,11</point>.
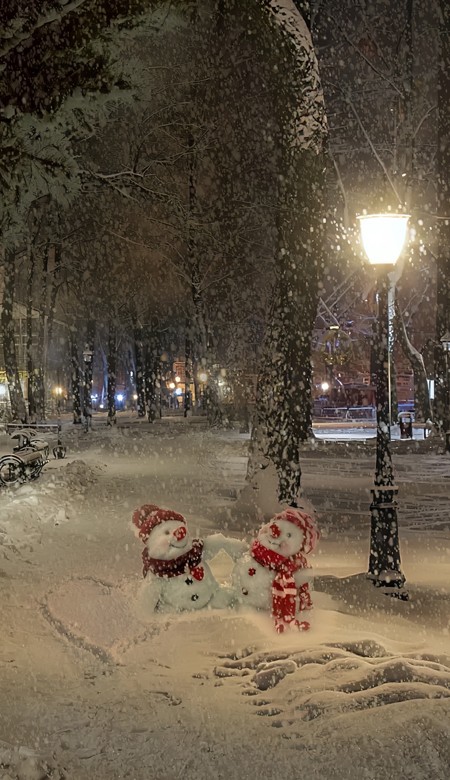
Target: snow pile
<point>22,763</point>
<point>75,477</point>
<point>49,500</point>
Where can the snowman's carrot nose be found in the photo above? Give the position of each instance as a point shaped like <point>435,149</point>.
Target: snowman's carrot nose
<point>180,533</point>
<point>275,530</point>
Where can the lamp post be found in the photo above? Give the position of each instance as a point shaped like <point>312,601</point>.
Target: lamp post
<point>58,393</point>
<point>88,356</point>
<point>59,451</point>
<point>445,341</point>
<point>383,237</point>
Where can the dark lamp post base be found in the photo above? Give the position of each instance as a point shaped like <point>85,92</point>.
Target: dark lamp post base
<point>384,560</point>
<point>393,588</point>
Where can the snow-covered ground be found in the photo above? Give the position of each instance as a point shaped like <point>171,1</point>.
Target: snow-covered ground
<point>90,690</point>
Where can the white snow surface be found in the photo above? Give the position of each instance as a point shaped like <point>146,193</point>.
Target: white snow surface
<point>90,689</point>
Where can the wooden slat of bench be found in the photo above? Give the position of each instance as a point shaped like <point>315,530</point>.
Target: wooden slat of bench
<point>29,456</point>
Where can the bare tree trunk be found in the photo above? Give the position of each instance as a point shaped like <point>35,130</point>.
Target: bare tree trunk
<point>53,293</point>
<point>152,354</point>
<point>42,338</point>
<point>188,369</point>
<point>75,377</point>
<point>88,371</point>
<point>283,417</point>
<point>140,370</point>
<point>17,401</point>
<point>32,410</point>
<point>422,396</point>
<point>112,360</point>
<point>442,396</point>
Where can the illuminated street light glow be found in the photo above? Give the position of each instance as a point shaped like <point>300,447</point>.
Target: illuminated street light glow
<point>383,237</point>
<point>325,386</point>
<point>203,376</point>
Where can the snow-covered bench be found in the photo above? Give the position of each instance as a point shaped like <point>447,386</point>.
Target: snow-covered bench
<point>30,454</point>
<point>28,437</point>
<point>24,464</point>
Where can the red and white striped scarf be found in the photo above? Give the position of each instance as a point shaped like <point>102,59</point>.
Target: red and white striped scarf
<point>284,589</point>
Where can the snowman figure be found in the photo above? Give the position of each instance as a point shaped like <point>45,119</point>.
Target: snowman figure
<point>177,576</point>
<point>273,574</point>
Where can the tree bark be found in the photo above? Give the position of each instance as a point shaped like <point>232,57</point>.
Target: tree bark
<point>112,361</point>
<point>442,391</point>
<point>152,356</point>
<point>75,377</point>
<point>17,401</point>
<point>32,410</point>
<point>188,369</point>
<point>140,369</point>
<point>42,338</point>
<point>88,371</point>
<point>422,396</point>
<point>53,293</point>
<point>283,416</point>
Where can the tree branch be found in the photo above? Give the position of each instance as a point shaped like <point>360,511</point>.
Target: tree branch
<point>51,17</point>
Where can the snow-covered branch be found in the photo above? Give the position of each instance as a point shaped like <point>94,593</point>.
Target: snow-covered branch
<point>51,16</point>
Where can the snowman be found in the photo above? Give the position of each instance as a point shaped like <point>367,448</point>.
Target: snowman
<point>177,576</point>
<point>273,574</point>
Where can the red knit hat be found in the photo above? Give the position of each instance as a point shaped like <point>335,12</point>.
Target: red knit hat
<point>149,515</point>
<point>306,524</point>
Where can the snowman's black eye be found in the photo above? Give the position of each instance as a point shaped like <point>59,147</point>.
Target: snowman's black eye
<point>167,533</point>
<point>194,597</point>
<point>288,535</point>
<point>189,581</point>
<point>244,592</point>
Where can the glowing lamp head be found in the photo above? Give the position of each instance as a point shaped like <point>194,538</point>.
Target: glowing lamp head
<point>383,237</point>
<point>445,341</point>
<point>203,376</point>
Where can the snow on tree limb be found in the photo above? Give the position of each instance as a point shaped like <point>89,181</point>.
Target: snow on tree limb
<point>309,127</point>
<point>51,16</point>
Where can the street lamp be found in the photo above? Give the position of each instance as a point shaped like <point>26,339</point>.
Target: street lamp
<point>383,237</point>
<point>58,393</point>
<point>88,356</point>
<point>445,341</point>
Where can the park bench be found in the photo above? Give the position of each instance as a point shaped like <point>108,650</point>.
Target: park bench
<point>30,454</point>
